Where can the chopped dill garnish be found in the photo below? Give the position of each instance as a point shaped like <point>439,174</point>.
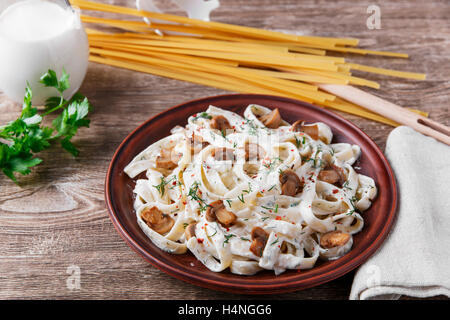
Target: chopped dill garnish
<point>249,188</point>
<point>331,151</point>
<point>271,164</point>
<point>162,186</point>
<point>241,198</point>
<point>213,233</point>
<point>276,241</point>
<point>203,115</point>
<point>352,202</point>
<point>345,185</point>
<point>227,238</point>
<point>316,162</point>
<point>222,132</point>
<point>193,193</point>
<point>297,142</point>
<point>253,129</point>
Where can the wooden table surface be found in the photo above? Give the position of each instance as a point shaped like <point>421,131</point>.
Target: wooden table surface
<point>56,217</point>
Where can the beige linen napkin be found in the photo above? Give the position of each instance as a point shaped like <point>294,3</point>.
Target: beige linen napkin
<point>415,258</point>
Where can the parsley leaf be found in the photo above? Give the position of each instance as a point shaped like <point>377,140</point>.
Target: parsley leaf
<point>22,138</point>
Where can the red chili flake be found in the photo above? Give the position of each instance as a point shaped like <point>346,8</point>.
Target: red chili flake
<point>233,127</point>
<point>199,240</point>
<point>335,191</point>
<point>262,190</point>
<point>184,202</point>
<point>270,211</point>
<point>292,150</point>
<point>228,229</point>
<point>192,175</point>
<point>279,246</point>
<point>174,183</point>
<point>206,224</point>
<point>278,218</point>
<point>309,206</point>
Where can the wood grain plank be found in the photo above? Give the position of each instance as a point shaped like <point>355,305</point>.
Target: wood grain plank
<point>56,216</point>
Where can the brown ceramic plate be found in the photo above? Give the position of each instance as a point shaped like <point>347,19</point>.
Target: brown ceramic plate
<point>378,219</point>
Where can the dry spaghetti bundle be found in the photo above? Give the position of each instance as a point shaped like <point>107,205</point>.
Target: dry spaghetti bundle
<point>232,57</point>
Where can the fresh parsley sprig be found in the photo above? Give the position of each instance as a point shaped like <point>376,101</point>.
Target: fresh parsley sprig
<point>22,138</point>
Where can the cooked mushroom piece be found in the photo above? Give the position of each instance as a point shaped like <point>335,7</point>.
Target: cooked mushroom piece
<point>157,220</point>
<point>223,154</point>
<point>334,239</point>
<point>259,240</point>
<point>333,175</point>
<point>220,123</point>
<point>312,131</point>
<point>290,183</point>
<point>253,151</point>
<point>167,160</point>
<point>216,211</point>
<point>330,198</point>
<point>284,247</point>
<point>189,232</point>
<point>329,175</point>
<point>297,125</point>
<point>272,119</point>
<point>196,143</point>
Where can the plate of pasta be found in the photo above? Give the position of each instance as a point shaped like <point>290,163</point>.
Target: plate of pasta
<point>251,193</point>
